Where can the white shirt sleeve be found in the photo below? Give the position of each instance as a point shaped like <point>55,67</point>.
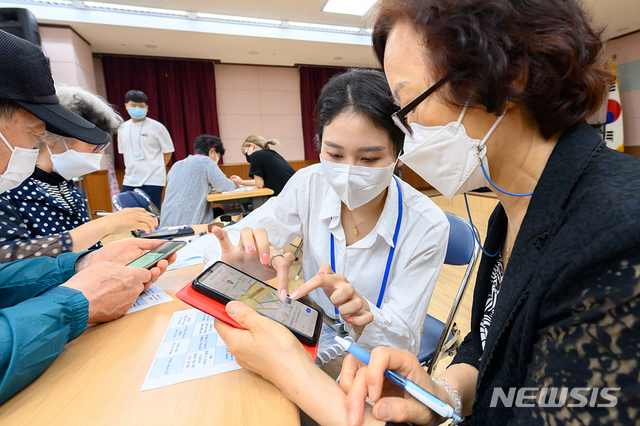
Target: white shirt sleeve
<point>165,139</point>
<point>121,141</point>
<point>398,322</point>
<point>281,216</point>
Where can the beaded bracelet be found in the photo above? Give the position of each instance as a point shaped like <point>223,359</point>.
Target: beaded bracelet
<point>457,402</point>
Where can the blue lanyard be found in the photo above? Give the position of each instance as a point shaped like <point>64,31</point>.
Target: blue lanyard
<point>391,251</point>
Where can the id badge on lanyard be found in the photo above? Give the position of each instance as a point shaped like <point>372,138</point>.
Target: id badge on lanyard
<point>138,155</point>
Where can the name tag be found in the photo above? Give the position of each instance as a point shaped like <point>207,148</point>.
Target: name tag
<point>138,155</point>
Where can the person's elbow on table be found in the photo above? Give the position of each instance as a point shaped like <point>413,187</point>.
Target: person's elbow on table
<point>259,181</point>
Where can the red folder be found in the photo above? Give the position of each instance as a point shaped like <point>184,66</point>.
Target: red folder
<point>217,310</point>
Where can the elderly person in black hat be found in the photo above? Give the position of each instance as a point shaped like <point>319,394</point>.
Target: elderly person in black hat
<point>46,214</point>
<point>46,302</point>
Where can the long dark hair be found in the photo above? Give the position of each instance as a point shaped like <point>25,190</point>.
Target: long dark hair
<point>364,92</point>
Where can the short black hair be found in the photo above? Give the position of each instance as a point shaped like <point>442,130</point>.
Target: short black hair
<point>136,96</point>
<point>364,92</point>
<point>203,144</point>
<point>8,108</point>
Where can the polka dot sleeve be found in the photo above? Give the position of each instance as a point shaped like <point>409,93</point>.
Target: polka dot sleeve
<point>50,246</point>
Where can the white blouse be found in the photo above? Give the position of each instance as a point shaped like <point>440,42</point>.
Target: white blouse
<point>308,208</point>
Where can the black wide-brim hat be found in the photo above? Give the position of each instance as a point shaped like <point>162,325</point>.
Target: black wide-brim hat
<point>25,78</point>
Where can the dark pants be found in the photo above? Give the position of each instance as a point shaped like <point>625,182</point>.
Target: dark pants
<point>154,192</point>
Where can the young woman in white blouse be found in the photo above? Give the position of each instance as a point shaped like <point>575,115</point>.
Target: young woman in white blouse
<point>373,245</point>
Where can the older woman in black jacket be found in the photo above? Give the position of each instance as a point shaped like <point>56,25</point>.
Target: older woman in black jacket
<point>496,92</point>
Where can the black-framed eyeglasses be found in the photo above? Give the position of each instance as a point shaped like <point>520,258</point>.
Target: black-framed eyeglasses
<point>400,117</point>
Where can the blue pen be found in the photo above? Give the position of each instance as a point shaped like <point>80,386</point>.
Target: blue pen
<point>431,401</point>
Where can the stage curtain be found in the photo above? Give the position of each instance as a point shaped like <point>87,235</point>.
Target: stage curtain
<point>312,79</point>
<point>182,96</point>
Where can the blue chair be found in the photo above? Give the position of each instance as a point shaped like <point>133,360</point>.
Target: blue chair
<point>443,339</point>
<point>135,198</point>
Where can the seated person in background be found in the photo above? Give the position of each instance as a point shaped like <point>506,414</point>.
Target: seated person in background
<point>46,213</point>
<point>351,204</point>
<point>268,168</point>
<point>45,303</point>
<point>190,181</point>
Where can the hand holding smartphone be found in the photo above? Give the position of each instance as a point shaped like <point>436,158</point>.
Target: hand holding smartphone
<point>152,257</point>
<point>224,283</point>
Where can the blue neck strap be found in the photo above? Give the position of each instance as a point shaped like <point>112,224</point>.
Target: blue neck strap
<point>389,258</point>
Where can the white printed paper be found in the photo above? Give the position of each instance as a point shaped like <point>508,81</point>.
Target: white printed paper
<point>191,349</point>
<point>241,189</point>
<point>192,253</point>
<point>152,297</point>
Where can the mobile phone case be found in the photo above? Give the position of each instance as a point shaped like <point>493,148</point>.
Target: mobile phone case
<point>217,310</point>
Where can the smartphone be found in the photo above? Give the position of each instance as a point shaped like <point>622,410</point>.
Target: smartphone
<point>165,233</point>
<point>152,257</point>
<point>224,283</point>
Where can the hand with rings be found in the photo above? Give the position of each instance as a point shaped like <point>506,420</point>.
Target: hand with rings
<point>255,256</point>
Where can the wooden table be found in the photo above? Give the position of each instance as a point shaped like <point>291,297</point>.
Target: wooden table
<point>256,195</point>
<point>96,380</point>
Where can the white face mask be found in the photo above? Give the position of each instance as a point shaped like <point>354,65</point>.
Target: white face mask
<point>356,185</point>
<point>446,157</point>
<point>72,164</point>
<point>21,165</point>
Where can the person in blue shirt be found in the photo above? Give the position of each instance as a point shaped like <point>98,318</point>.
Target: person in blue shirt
<point>45,303</point>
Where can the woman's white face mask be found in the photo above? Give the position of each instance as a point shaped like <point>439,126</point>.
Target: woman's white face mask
<point>72,164</point>
<point>21,165</point>
<point>357,185</point>
<point>446,157</point>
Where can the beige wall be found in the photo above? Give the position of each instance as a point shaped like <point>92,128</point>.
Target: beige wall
<point>259,100</point>
<point>101,86</point>
<point>70,56</point>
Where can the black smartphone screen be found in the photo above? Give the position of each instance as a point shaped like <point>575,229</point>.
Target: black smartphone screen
<point>167,233</point>
<point>225,283</point>
<point>152,257</point>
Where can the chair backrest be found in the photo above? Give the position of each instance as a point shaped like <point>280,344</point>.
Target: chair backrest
<point>135,198</point>
<point>462,249</point>
<point>461,246</point>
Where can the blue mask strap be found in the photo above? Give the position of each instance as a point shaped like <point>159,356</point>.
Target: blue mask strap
<point>528,194</point>
<point>475,236</point>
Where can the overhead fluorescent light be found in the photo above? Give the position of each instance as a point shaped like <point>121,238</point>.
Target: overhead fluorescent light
<point>238,19</point>
<point>348,7</point>
<point>139,9</point>
<point>52,2</point>
<point>322,27</point>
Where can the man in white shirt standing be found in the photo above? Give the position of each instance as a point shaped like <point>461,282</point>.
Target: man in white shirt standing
<point>146,146</point>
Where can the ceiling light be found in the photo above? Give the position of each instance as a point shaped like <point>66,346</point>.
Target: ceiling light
<point>238,19</point>
<point>309,26</point>
<point>52,2</point>
<point>127,8</point>
<point>348,7</point>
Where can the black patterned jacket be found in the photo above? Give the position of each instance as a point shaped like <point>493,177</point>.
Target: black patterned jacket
<point>568,311</point>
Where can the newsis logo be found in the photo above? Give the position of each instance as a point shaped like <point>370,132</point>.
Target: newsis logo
<point>554,397</point>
